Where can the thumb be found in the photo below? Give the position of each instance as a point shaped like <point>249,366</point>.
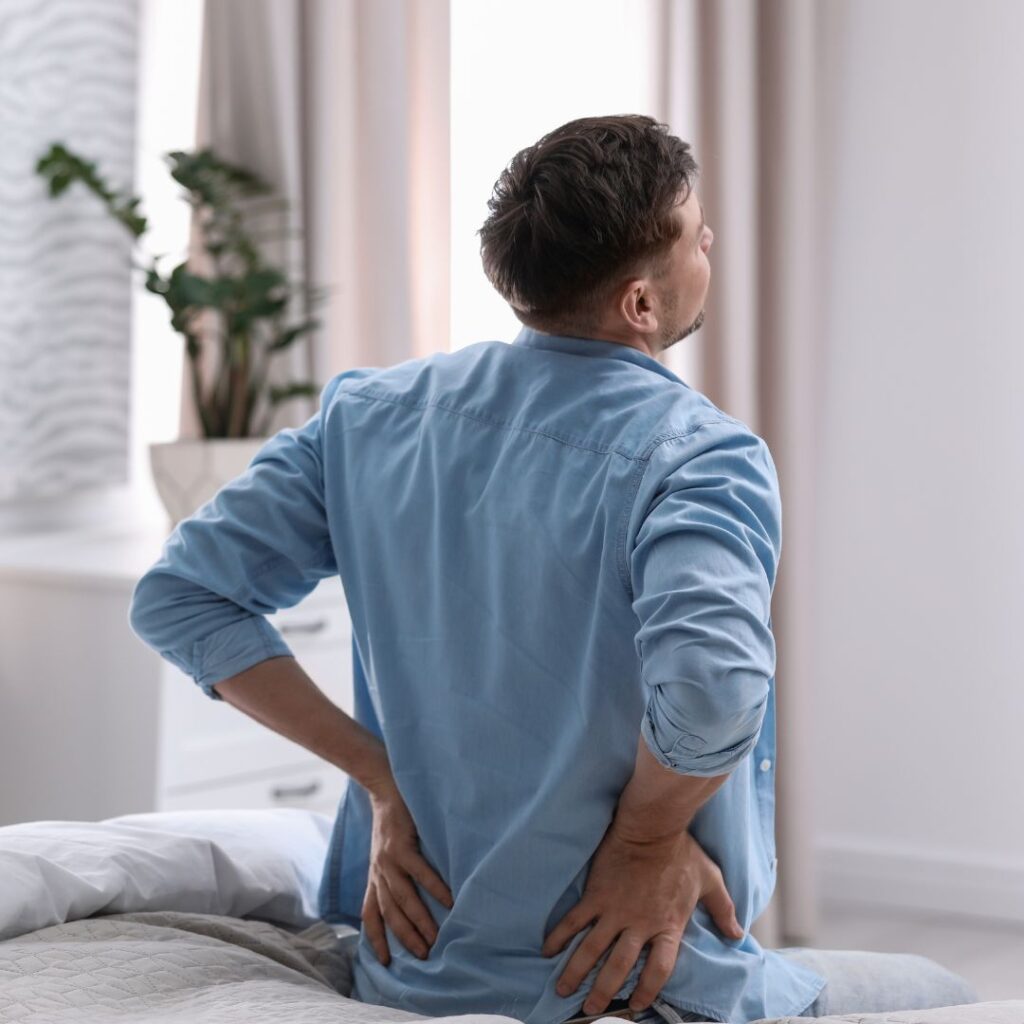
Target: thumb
<point>719,905</point>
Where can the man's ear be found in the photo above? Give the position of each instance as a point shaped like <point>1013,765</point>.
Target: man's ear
<point>636,305</point>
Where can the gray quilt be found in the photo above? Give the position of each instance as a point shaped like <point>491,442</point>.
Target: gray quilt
<point>184,968</point>
<point>166,966</point>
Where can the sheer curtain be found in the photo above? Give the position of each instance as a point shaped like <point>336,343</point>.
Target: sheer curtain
<point>68,74</point>
<point>739,81</point>
<point>342,106</point>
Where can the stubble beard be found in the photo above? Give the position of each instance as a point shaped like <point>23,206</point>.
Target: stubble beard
<point>685,333</point>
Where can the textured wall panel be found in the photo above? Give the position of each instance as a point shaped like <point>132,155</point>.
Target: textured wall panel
<point>68,74</point>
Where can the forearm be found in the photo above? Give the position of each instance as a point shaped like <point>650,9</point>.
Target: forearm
<point>658,802</point>
<point>277,693</point>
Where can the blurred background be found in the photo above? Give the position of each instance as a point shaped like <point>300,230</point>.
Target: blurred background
<point>860,163</point>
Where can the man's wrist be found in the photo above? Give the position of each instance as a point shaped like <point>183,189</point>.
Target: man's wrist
<point>382,788</point>
<point>649,823</point>
<point>359,753</point>
<point>657,803</point>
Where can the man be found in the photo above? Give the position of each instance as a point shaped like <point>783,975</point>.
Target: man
<point>558,560</point>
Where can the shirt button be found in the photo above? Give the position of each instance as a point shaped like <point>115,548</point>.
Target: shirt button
<point>765,765</point>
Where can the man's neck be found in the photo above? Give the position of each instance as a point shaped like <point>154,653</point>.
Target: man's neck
<point>637,341</point>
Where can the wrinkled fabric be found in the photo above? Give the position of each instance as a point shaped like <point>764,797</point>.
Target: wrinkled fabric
<point>260,863</point>
<point>550,549</point>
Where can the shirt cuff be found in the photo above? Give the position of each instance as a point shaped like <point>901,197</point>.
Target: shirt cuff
<point>686,755</point>
<point>233,649</point>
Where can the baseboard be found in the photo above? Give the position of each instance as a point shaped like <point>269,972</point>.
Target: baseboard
<point>854,873</point>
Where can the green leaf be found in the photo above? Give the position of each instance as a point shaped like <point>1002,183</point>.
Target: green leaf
<point>296,389</point>
<point>289,336</point>
<point>61,168</point>
<point>155,283</point>
<point>185,290</point>
<point>215,181</point>
<point>263,292</point>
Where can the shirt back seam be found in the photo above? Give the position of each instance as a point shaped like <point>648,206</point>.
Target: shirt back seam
<point>512,427</point>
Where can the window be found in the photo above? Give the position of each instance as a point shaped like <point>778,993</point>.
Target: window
<point>517,72</point>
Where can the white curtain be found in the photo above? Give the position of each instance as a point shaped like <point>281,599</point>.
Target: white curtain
<point>739,81</point>
<point>342,106</point>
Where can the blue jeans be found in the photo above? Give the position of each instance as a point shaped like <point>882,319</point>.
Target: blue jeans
<point>857,982</point>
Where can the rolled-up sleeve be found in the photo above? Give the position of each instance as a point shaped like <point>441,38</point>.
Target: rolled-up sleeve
<point>260,544</point>
<point>703,569</point>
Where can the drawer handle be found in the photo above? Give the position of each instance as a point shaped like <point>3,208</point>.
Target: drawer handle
<point>304,627</point>
<point>292,792</point>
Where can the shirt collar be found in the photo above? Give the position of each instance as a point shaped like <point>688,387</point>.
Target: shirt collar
<point>593,347</point>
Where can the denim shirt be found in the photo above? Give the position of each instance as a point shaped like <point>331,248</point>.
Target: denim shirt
<point>548,548</point>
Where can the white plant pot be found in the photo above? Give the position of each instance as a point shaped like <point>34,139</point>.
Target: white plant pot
<point>188,473</point>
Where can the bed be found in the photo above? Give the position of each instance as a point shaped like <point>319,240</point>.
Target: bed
<point>179,917</point>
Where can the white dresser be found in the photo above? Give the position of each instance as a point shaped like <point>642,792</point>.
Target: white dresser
<point>93,723</point>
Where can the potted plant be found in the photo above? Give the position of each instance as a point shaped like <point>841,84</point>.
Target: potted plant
<point>240,308</point>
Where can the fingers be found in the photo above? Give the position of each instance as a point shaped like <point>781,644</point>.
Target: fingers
<point>719,905</point>
<point>588,952</point>
<point>429,879</point>
<point>403,928</point>
<point>574,921</point>
<point>409,902</point>
<point>612,976</point>
<point>661,959</point>
<point>392,898</point>
<point>373,925</point>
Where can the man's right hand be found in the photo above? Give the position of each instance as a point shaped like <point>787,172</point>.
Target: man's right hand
<point>638,891</point>
<point>395,864</point>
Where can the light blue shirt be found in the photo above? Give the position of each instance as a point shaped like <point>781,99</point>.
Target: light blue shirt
<point>547,548</point>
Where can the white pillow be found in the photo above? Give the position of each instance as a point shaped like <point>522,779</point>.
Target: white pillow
<point>244,863</point>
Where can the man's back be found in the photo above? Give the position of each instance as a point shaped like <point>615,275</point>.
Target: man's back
<point>486,512</point>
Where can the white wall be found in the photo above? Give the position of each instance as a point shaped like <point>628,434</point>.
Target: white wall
<point>920,662</point>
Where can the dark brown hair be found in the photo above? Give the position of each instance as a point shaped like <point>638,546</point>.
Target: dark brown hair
<point>579,210</point>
